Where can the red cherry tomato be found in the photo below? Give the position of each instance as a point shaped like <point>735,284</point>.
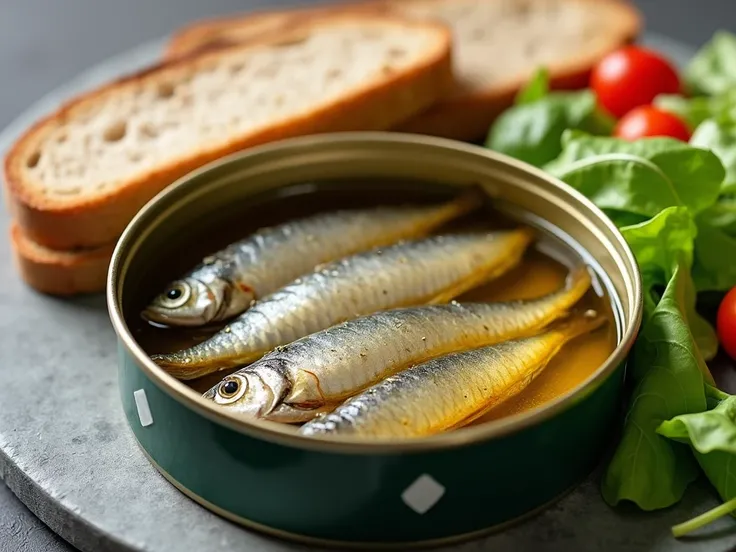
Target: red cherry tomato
<point>630,77</point>
<point>650,121</point>
<point>726,323</point>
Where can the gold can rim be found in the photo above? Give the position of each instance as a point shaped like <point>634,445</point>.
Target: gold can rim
<point>278,433</point>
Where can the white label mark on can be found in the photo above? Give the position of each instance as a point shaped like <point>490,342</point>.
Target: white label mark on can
<point>423,494</point>
<point>144,410</point>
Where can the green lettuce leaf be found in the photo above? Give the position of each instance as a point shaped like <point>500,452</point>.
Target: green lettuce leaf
<point>715,257</point>
<point>700,108</point>
<point>712,430</point>
<point>532,130</point>
<point>638,180</point>
<point>641,177</point>
<point>722,215</point>
<point>646,468</point>
<point>713,69</point>
<point>719,136</point>
<point>666,367</point>
<point>536,89</point>
<point>712,436</point>
<point>661,245</point>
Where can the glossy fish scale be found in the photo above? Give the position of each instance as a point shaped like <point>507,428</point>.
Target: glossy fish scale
<point>434,269</point>
<point>272,257</point>
<point>331,365</point>
<point>449,391</point>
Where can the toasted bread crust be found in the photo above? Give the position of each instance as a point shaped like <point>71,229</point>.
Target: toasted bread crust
<point>60,273</point>
<point>99,219</point>
<point>222,32</point>
<point>466,114</point>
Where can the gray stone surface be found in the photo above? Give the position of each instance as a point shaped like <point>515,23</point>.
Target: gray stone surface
<point>21,531</point>
<point>64,447</point>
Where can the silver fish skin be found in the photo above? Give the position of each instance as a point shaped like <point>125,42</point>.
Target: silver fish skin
<point>225,284</point>
<point>426,271</point>
<point>302,379</point>
<point>450,391</point>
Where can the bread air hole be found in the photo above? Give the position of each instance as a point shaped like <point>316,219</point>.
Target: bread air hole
<point>521,8</point>
<point>237,67</point>
<point>147,130</point>
<point>115,132</point>
<point>165,90</point>
<point>74,190</point>
<point>291,41</point>
<point>333,73</point>
<point>33,160</point>
<point>478,34</point>
<point>396,53</point>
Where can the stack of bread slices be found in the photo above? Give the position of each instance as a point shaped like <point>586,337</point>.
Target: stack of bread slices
<point>75,179</point>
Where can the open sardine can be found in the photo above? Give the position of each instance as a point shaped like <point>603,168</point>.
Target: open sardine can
<point>374,492</point>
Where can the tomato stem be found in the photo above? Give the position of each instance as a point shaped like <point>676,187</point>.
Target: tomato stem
<point>704,519</point>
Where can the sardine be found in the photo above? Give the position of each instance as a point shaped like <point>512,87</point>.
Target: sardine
<point>225,284</point>
<point>450,391</point>
<point>315,373</point>
<point>427,271</point>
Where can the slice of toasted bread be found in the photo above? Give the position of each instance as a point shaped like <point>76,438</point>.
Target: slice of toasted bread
<point>60,272</point>
<point>498,45</point>
<point>77,177</point>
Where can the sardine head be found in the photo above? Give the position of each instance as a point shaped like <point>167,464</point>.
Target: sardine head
<point>248,394</point>
<point>189,302</point>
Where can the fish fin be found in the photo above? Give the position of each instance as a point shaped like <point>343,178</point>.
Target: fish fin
<point>526,235</point>
<point>473,417</point>
<point>512,392</point>
<point>298,414</point>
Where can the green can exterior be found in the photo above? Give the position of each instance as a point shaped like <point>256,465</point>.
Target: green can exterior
<point>358,497</point>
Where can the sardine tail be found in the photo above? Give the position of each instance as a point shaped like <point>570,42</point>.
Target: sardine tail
<point>576,285</point>
<point>578,278</point>
<point>183,368</point>
<point>467,202</point>
<point>580,323</point>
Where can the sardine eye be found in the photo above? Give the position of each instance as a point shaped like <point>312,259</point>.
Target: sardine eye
<point>229,388</point>
<point>175,296</point>
<point>173,293</point>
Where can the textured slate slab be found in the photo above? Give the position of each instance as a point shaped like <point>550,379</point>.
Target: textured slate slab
<point>66,452</point>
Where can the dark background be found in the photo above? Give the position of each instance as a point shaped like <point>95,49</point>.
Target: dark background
<point>44,43</point>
